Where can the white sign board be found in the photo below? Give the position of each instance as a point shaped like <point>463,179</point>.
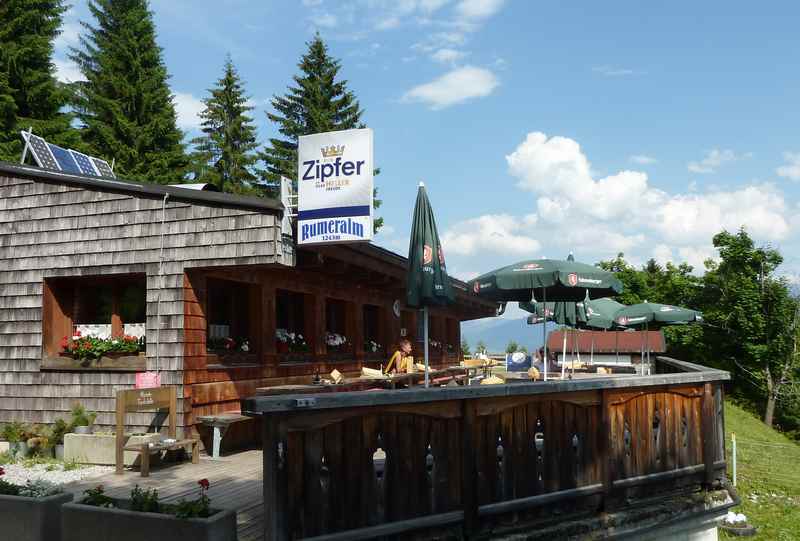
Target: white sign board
<point>334,181</point>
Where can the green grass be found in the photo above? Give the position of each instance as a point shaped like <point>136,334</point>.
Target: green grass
<point>768,476</point>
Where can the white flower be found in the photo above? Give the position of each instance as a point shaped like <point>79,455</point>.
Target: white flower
<point>76,337</point>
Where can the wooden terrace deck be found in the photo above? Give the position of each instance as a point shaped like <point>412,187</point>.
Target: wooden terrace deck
<point>236,483</point>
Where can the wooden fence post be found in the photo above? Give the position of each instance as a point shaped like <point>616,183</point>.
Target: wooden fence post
<point>469,470</point>
<point>606,448</point>
<point>709,440</point>
<point>276,490</point>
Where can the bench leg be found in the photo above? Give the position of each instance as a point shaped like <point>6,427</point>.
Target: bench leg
<point>196,452</point>
<point>145,469</point>
<point>219,433</point>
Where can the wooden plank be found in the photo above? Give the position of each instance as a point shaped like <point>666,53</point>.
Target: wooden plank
<point>709,436</point>
<point>275,489</point>
<point>469,473</point>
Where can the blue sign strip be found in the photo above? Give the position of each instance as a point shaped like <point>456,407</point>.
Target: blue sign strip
<point>338,212</point>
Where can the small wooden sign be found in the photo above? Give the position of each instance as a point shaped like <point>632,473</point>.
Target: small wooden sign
<point>148,380</point>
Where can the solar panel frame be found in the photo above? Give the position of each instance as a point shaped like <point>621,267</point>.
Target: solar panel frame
<point>40,150</point>
<point>103,169</point>
<point>64,159</point>
<point>84,163</point>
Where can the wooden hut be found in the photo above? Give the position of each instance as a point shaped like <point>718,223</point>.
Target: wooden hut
<point>211,283</point>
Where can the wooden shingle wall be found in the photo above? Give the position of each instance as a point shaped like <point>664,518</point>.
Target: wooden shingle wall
<point>54,230</point>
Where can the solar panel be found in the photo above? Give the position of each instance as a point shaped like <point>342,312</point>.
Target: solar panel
<point>64,159</point>
<point>84,163</point>
<point>103,168</point>
<point>41,152</point>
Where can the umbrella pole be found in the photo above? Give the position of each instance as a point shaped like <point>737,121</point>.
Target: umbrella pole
<point>544,332</point>
<point>647,341</point>
<point>425,334</point>
<point>591,354</point>
<point>577,349</point>
<point>564,354</point>
<point>616,344</point>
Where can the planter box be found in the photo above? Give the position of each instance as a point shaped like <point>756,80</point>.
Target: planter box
<point>82,522</point>
<point>112,362</point>
<point>100,448</point>
<point>32,519</point>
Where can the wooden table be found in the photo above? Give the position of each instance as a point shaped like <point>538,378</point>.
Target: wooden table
<point>145,449</point>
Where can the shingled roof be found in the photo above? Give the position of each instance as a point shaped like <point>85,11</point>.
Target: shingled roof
<point>609,341</point>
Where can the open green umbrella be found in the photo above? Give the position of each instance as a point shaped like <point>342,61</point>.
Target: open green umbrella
<point>556,279</point>
<point>651,314</point>
<point>428,283</point>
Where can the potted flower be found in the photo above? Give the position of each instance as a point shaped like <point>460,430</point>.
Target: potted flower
<point>31,512</point>
<point>143,516</point>
<point>57,432</point>
<point>290,343</point>
<point>82,421</point>
<point>373,349</point>
<point>16,434</point>
<point>91,348</point>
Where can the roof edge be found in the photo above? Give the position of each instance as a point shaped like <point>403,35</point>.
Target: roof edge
<point>192,196</point>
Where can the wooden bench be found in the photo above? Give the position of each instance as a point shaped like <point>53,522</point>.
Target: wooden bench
<point>138,400</point>
<point>145,450</point>
<point>220,423</point>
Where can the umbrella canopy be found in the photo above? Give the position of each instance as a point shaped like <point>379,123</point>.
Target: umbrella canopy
<point>558,280</point>
<point>602,312</point>
<point>652,314</point>
<point>571,314</point>
<point>428,283</point>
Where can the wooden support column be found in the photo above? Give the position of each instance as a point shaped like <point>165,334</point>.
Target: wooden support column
<point>315,323</point>
<point>116,318</point>
<point>469,470</point>
<point>276,487</point>
<point>709,441</point>
<point>268,324</point>
<point>355,328</point>
<point>606,458</point>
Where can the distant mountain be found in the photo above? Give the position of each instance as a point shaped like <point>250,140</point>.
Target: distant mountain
<point>497,332</point>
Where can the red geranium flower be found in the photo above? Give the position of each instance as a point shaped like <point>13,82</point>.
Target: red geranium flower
<point>2,471</point>
<point>204,483</point>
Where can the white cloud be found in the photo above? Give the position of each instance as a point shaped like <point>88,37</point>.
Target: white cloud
<point>448,56</point>
<point>69,36</point>
<point>495,233</point>
<point>479,9</point>
<point>623,212</point>
<point>613,71</point>
<point>791,169</point>
<point>388,23</point>
<point>713,159</point>
<point>454,87</point>
<point>312,3</point>
<point>188,108</point>
<point>67,71</point>
<point>324,20</point>
<point>641,159</point>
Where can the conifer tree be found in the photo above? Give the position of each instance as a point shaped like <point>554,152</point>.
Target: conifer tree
<point>226,150</point>
<point>316,103</point>
<point>30,95</point>
<point>125,104</point>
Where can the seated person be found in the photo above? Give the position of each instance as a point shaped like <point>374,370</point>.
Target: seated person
<point>401,361</point>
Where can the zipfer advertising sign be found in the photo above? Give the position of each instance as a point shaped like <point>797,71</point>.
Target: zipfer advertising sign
<point>335,187</point>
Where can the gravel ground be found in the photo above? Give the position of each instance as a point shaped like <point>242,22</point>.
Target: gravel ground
<point>19,475</point>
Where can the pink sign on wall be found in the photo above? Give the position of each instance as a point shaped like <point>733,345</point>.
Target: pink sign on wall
<point>148,380</point>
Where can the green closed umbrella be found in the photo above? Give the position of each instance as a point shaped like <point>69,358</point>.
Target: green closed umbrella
<point>428,283</point>
<point>651,314</point>
<point>556,279</point>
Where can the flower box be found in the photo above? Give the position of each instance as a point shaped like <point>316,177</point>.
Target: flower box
<point>81,522</point>
<point>32,519</point>
<point>112,362</point>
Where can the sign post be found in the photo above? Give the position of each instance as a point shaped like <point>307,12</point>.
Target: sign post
<point>335,187</point>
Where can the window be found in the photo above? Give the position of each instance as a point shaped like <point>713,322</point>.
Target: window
<point>104,307</point>
<point>374,336</point>
<point>229,316</point>
<point>291,324</point>
<point>338,335</point>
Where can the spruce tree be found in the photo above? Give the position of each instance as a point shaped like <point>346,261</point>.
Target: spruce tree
<point>30,95</point>
<point>125,105</point>
<point>226,150</point>
<point>316,103</point>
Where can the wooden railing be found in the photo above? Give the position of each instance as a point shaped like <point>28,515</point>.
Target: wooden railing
<point>359,465</point>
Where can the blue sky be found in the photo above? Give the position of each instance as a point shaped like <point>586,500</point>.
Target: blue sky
<point>539,127</point>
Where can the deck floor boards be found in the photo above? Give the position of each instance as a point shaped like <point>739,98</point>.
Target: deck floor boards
<point>236,483</point>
